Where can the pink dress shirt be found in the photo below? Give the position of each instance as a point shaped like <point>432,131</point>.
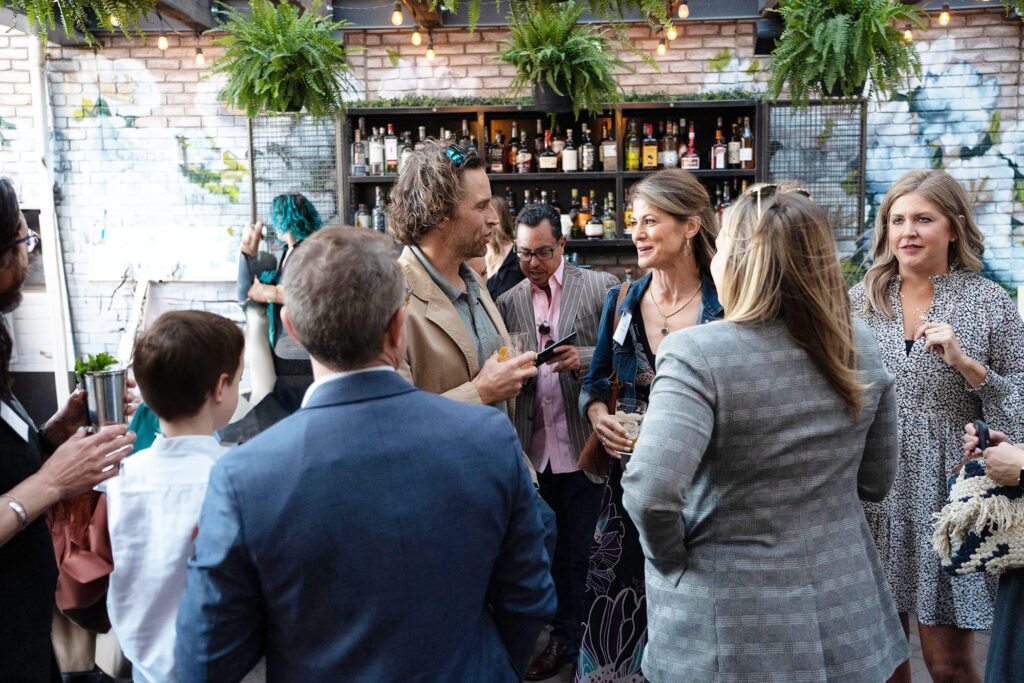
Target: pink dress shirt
<point>550,442</point>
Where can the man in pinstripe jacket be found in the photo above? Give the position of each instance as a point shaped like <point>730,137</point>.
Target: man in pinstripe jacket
<point>555,299</point>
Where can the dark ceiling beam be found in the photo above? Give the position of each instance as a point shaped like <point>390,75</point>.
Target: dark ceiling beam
<point>196,14</point>
<point>422,14</point>
<point>19,21</point>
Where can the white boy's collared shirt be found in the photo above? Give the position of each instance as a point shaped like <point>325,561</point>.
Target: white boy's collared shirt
<point>152,509</point>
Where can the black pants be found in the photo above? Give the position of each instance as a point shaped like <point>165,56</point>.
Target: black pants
<point>576,502</point>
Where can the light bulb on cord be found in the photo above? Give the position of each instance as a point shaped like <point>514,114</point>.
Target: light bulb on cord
<point>396,16</point>
<point>162,42</point>
<point>662,46</point>
<point>944,16</point>
<point>671,32</point>
<point>200,59</point>
<point>417,38</point>
<point>908,33</point>
<point>430,51</point>
<point>114,21</point>
<point>684,10</point>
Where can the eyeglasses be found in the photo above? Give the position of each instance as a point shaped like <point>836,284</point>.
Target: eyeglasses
<point>542,254</point>
<point>769,190</point>
<point>32,240</point>
<point>544,328</point>
<point>458,156</point>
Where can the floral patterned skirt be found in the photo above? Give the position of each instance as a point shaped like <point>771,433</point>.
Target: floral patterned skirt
<point>615,630</point>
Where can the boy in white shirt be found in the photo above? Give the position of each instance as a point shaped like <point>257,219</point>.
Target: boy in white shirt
<point>187,366</point>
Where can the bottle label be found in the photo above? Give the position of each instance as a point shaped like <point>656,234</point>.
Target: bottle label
<point>363,220</point>
<point>570,160</point>
<point>734,153</point>
<point>566,223</point>
<point>661,158</point>
<point>650,156</point>
<point>747,154</point>
<point>587,158</point>
<point>608,150</point>
<point>671,159</point>
<point>548,163</point>
<point>719,157</point>
<point>593,229</point>
<point>359,169</point>
<point>391,149</point>
<point>376,153</point>
<point>633,159</point>
<point>691,163</point>
<point>558,146</point>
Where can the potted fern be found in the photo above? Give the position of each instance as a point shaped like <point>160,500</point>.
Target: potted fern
<point>76,16</point>
<point>569,65</point>
<point>280,59</point>
<point>834,48</point>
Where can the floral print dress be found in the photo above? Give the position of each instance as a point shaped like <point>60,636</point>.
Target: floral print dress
<point>934,403</point>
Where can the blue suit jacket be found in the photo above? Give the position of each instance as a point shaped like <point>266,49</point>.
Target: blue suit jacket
<point>380,533</point>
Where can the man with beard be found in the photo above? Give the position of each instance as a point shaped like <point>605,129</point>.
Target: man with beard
<point>441,210</point>
<point>38,468</point>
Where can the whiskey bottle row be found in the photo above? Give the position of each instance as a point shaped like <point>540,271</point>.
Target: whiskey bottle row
<point>551,151</point>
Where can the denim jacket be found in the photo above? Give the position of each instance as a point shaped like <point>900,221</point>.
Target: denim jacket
<point>609,354</point>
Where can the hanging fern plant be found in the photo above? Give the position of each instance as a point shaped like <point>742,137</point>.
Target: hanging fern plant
<point>76,16</point>
<point>836,47</point>
<point>1015,6</point>
<point>610,11</point>
<point>280,58</point>
<point>550,47</point>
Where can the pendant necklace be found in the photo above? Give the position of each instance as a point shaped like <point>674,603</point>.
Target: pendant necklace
<point>921,315</point>
<point>664,318</point>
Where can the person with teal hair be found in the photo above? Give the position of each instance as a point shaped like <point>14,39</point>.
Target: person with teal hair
<point>274,358</point>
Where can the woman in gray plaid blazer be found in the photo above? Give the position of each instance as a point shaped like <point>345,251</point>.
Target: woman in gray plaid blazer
<point>762,433</point>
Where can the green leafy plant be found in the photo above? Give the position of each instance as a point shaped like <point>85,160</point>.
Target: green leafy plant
<point>76,15</point>
<point>1014,6</point>
<point>842,45</point>
<point>97,363</point>
<point>610,11</point>
<point>280,58</point>
<point>549,46</point>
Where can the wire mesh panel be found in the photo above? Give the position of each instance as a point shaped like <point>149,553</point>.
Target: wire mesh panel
<point>295,154</point>
<point>822,149</point>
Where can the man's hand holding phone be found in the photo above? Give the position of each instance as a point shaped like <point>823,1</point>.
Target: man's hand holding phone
<point>562,354</point>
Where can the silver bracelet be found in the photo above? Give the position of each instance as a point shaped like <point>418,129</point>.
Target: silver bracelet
<point>18,507</point>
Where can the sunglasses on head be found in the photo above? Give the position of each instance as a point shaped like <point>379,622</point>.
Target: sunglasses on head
<point>458,156</point>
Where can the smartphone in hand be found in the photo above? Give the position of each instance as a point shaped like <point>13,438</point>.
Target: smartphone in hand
<point>549,352</point>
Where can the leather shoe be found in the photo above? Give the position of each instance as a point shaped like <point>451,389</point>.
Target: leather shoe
<point>549,662</point>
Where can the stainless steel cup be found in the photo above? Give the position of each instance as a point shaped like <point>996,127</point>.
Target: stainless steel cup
<point>105,400</point>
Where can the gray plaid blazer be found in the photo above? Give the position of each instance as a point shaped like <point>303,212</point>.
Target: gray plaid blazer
<point>580,311</point>
<point>745,488</point>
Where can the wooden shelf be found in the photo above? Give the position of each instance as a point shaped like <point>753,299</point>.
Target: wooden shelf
<point>617,243</point>
<point>700,173</point>
<point>570,176</point>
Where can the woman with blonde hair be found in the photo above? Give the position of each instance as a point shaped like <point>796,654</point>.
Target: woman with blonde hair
<point>674,234</point>
<point>955,343</point>
<point>503,272</point>
<point>761,433</point>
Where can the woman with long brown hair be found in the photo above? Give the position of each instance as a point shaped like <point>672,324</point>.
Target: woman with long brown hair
<point>761,432</point>
<point>955,343</point>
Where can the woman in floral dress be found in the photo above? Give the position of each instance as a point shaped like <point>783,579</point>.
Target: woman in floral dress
<point>675,236</point>
<point>955,343</point>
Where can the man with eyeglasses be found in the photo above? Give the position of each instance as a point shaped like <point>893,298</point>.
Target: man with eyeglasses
<point>555,300</point>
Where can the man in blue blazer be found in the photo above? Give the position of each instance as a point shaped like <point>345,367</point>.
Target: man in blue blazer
<point>381,533</point>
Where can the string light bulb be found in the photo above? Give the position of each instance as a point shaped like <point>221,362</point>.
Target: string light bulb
<point>944,16</point>
<point>671,32</point>
<point>430,50</point>
<point>684,9</point>
<point>114,21</point>
<point>200,59</point>
<point>417,38</point>
<point>396,16</point>
<point>908,33</point>
<point>662,47</point>
<point>162,42</point>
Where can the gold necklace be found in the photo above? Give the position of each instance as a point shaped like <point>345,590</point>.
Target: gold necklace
<point>921,315</point>
<point>664,318</point>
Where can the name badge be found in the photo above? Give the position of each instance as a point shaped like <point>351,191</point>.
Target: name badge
<point>623,329</point>
<point>14,420</point>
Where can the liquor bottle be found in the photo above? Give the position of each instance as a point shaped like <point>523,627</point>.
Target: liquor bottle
<point>499,159</point>
<point>510,199</point>
<point>609,151</point>
<point>464,137</point>
<point>627,217</point>
<point>588,152</point>
<point>726,199</point>
<point>719,152</point>
<point>570,155</point>
<point>554,201</point>
<point>671,154</point>
<point>513,148</point>
<point>593,228</point>
<point>524,157</point>
<point>378,221</point>
<point>543,196</point>
<point>718,202</point>
<point>558,141</point>
<point>608,217</point>
<point>376,153</point>
<point>632,148</point>
<point>574,215</point>
<point>406,150</point>
<point>734,147</point>
<point>538,142</point>
<point>472,145</point>
<point>681,143</point>
<point>547,162</point>
<point>662,141</point>
<point>691,161</point>
<point>649,153</point>
<point>747,146</point>
<point>536,195</point>
<point>391,151</point>
<point>527,200</point>
<point>358,154</point>
<point>422,138</point>
<point>362,217</point>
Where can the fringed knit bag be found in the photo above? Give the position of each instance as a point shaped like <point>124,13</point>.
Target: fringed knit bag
<point>981,527</point>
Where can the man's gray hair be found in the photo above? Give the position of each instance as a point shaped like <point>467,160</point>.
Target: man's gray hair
<point>342,287</point>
